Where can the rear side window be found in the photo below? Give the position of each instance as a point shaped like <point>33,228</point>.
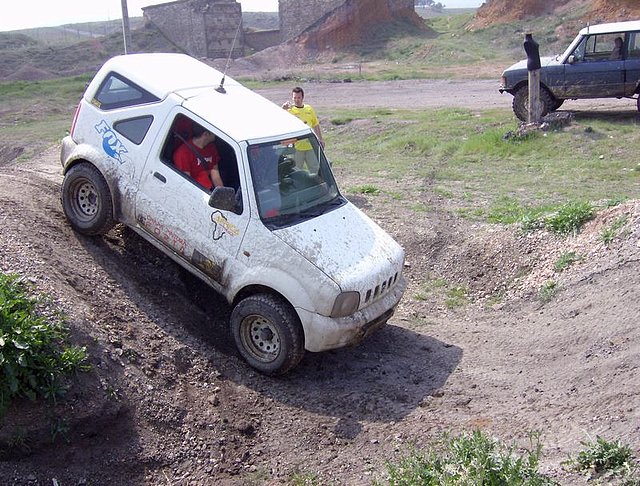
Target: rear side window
<point>117,91</point>
<point>634,45</point>
<point>134,129</point>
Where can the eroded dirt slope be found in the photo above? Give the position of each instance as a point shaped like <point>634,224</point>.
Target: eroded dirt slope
<point>169,401</point>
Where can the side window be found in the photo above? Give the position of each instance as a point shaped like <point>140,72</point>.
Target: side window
<point>604,47</point>
<point>135,129</point>
<point>117,91</point>
<point>201,155</point>
<point>634,45</point>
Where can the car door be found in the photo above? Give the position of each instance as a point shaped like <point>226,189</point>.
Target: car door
<point>174,210</point>
<point>632,63</point>
<point>591,71</point>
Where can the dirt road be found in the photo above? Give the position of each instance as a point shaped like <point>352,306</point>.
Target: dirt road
<point>169,401</point>
<point>478,94</point>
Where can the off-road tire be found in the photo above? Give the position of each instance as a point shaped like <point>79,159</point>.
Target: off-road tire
<point>267,333</point>
<point>521,102</point>
<point>86,200</point>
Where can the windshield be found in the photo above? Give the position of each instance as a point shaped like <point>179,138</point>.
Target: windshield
<point>292,181</point>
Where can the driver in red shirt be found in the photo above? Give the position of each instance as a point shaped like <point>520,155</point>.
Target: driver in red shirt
<point>198,158</point>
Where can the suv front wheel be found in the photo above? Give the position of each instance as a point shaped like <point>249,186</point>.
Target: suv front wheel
<point>521,102</point>
<point>268,333</point>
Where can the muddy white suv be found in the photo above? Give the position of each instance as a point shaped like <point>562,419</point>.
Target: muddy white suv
<point>603,61</point>
<point>301,266</point>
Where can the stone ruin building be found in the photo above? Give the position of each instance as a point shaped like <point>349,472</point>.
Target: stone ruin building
<point>207,28</point>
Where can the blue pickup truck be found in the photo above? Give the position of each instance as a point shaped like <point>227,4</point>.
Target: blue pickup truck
<point>603,61</point>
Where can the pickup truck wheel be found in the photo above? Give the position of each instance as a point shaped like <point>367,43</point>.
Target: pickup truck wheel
<point>268,334</point>
<point>86,200</point>
<point>521,102</point>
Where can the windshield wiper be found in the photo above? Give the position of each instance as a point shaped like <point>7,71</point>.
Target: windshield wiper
<point>324,207</point>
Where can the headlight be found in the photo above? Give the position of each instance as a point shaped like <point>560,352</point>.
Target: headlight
<point>346,304</point>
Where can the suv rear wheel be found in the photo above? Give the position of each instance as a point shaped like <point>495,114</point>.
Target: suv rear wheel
<point>521,102</point>
<point>86,200</point>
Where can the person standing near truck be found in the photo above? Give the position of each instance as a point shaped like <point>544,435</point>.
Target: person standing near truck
<point>306,113</point>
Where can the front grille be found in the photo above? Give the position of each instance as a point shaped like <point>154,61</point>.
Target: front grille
<point>381,289</point>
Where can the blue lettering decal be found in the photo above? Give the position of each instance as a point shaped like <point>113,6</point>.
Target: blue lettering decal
<point>111,144</point>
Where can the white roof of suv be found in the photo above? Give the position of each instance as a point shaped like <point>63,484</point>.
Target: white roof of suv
<point>611,28</point>
<point>238,111</point>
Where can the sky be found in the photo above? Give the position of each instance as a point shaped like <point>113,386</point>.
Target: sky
<point>26,14</point>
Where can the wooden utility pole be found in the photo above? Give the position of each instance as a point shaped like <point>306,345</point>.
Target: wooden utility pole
<point>533,66</point>
<point>535,108</point>
<point>126,32</point>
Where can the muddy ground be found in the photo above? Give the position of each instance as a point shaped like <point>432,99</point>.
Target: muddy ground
<point>169,400</point>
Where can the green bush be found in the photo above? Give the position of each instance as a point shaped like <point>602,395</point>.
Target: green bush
<point>33,354</point>
<point>569,218</point>
<point>604,459</point>
<point>468,460</point>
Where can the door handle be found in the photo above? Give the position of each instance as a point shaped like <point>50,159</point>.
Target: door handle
<point>159,176</point>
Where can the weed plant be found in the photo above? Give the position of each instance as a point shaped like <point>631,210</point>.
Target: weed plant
<point>566,260</point>
<point>33,353</point>
<point>608,234</point>
<point>606,462</point>
<point>548,291</point>
<point>469,459</point>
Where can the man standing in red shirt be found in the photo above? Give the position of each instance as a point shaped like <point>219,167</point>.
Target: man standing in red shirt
<point>199,158</point>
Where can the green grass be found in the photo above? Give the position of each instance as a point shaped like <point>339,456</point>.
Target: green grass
<point>566,260</point>
<point>455,296</point>
<point>548,290</point>
<point>613,230</point>
<point>472,458</point>
<point>365,189</point>
<point>554,181</point>
<point>305,479</point>
<point>37,115</point>
<point>34,355</point>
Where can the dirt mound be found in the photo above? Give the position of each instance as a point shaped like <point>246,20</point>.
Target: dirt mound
<point>502,11</point>
<point>29,73</point>
<point>168,401</point>
<point>352,23</point>
<point>614,11</point>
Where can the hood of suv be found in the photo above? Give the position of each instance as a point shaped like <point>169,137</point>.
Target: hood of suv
<point>348,247</point>
<point>544,61</point>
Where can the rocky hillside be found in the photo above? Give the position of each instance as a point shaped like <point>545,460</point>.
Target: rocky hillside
<point>593,11</point>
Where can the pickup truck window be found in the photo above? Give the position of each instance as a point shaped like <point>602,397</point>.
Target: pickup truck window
<point>117,91</point>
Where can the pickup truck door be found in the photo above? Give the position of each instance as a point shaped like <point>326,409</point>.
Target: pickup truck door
<point>592,74</point>
<point>174,212</point>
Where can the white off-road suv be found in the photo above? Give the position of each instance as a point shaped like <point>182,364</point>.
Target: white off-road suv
<point>302,267</point>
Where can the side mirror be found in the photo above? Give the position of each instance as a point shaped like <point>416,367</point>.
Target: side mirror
<point>223,198</point>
